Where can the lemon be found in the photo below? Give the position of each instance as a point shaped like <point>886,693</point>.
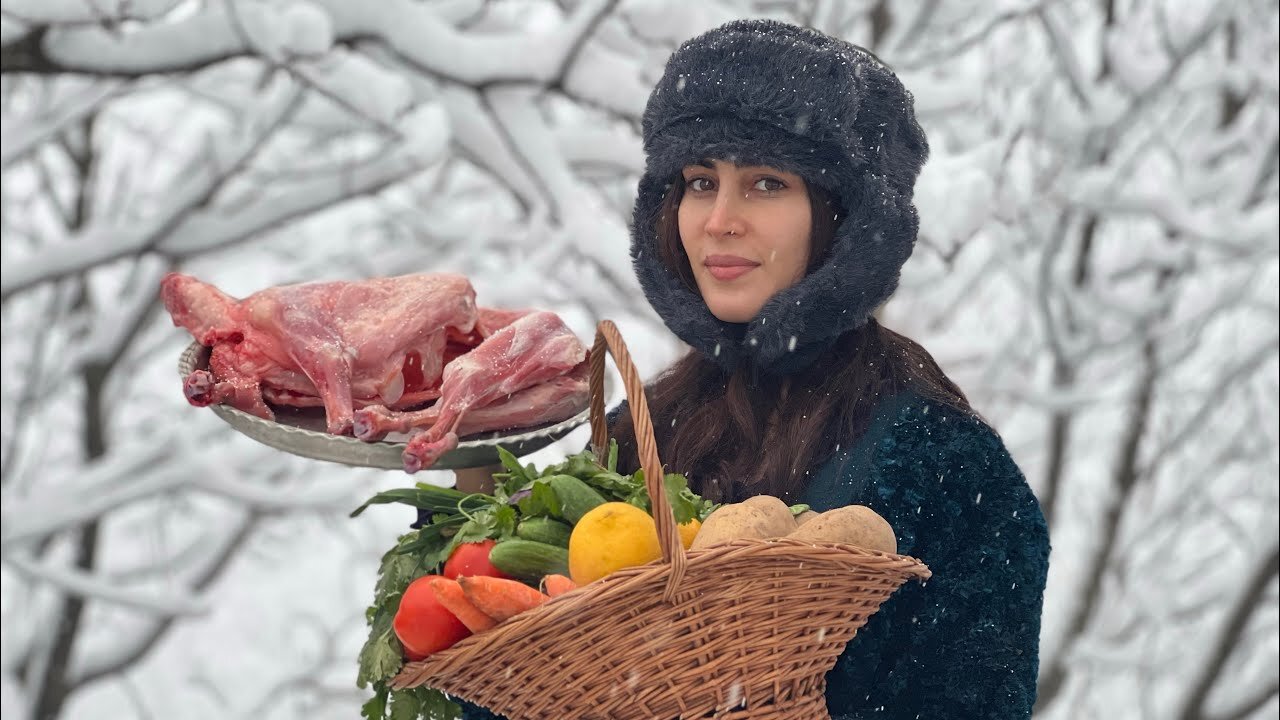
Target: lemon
<point>689,531</point>
<point>610,537</point>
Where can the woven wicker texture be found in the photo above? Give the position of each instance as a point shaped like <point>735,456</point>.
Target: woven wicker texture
<point>747,629</point>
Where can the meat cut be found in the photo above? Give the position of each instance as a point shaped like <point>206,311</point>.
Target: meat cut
<point>343,342</point>
<point>379,350</point>
<point>534,349</point>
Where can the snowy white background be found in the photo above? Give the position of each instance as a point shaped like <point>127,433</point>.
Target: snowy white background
<point>1097,268</point>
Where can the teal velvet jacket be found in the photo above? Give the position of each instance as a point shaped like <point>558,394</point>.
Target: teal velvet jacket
<point>965,644</point>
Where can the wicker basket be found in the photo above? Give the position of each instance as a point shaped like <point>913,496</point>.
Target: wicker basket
<point>743,630</point>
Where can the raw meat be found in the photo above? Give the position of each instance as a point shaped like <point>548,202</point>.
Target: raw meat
<point>372,351</point>
<point>533,349</point>
<point>348,344</point>
<point>556,399</point>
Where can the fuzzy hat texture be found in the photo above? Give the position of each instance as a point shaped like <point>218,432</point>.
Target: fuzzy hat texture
<point>760,92</point>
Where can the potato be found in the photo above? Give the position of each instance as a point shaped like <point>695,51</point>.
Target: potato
<point>781,521</point>
<point>731,522</point>
<point>854,525</point>
<point>806,516</point>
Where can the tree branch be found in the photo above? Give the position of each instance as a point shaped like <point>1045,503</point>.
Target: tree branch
<point>1229,376</point>
<point>95,246</point>
<point>22,135</point>
<point>89,587</point>
<point>206,38</point>
<point>1123,482</point>
<point>934,56</point>
<point>1248,706</point>
<point>125,655</point>
<point>1233,628</point>
<point>1064,51</point>
<point>100,492</point>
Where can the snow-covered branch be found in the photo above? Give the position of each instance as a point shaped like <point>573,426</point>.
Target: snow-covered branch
<point>1064,51</point>
<point>308,28</point>
<point>110,333</point>
<point>1247,234</point>
<point>86,12</point>
<point>119,656</point>
<point>98,489</point>
<point>270,499</point>
<point>1231,375</point>
<point>214,228</point>
<point>941,52</point>
<point>1262,575</point>
<point>1247,705</point>
<point>21,135</point>
<point>96,245</point>
<point>165,602</point>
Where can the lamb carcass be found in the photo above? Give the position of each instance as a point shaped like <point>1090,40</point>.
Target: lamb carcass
<point>343,344</point>
<point>532,350</point>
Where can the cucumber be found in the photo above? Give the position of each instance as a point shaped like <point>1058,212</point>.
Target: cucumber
<point>544,530</point>
<point>529,560</point>
<point>576,497</point>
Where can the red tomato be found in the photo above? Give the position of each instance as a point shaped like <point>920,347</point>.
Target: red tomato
<point>423,625</point>
<point>472,559</point>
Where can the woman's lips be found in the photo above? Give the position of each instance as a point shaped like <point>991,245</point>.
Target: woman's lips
<point>729,267</point>
<point>729,272</point>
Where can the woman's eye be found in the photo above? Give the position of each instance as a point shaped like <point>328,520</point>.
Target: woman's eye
<point>769,185</point>
<point>699,184</point>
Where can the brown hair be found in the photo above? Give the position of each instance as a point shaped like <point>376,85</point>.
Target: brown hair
<point>735,435</point>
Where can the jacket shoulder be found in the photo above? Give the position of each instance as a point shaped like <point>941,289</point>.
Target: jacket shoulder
<point>923,463</point>
<point>953,471</point>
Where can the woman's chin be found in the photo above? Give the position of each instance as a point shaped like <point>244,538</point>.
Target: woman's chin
<point>733,313</point>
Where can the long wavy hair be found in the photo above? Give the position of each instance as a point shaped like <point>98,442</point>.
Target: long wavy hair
<point>736,435</point>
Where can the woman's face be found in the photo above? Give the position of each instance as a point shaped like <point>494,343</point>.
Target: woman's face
<point>746,232</point>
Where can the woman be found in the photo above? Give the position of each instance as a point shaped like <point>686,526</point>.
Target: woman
<point>773,217</point>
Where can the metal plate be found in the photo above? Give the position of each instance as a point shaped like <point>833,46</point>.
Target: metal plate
<point>300,431</point>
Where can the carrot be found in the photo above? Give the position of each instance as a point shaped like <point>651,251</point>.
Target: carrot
<point>557,585</point>
<point>450,595</point>
<point>499,598</point>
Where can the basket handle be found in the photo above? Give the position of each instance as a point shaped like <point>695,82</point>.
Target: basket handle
<point>608,337</point>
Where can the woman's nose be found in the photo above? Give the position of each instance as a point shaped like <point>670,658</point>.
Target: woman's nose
<point>726,215</point>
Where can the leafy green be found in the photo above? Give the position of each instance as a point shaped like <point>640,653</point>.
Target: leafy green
<point>491,521</point>
<point>541,502</point>
<point>410,704</point>
<point>612,484</point>
<point>416,554</point>
<point>516,478</point>
<point>423,497</point>
<point>582,466</point>
<point>375,708</point>
<point>685,504</point>
<point>425,703</point>
<point>380,658</point>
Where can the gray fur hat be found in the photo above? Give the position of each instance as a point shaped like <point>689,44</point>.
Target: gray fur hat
<point>760,92</point>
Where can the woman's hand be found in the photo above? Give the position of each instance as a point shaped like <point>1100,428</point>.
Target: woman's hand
<point>475,480</point>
